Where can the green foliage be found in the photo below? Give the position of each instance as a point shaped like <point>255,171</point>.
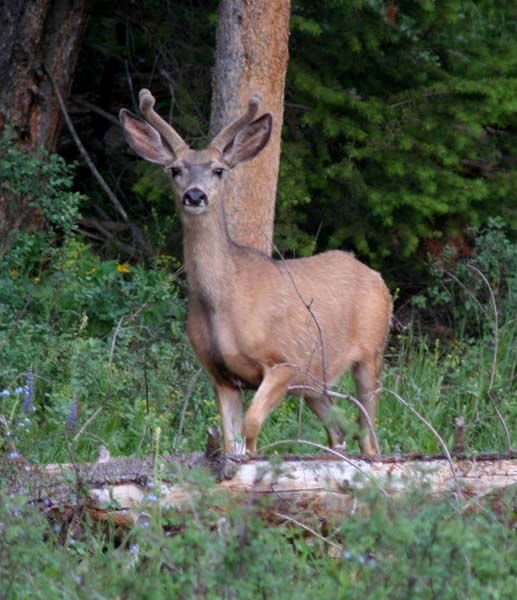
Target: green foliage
<point>97,335</point>
<point>408,548</point>
<point>478,291</point>
<point>43,181</point>
<point>408,127</point>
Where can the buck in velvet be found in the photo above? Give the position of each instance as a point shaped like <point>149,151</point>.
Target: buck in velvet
<point>272,326</point>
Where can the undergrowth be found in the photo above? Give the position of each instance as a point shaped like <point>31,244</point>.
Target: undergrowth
<point>93,353</point>
<point>396,548</point>
<point>103,344</point>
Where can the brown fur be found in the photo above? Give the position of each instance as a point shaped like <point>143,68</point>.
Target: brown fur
<point>264,324</point>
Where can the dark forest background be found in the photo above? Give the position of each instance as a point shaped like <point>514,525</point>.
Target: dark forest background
<point>400,128</point>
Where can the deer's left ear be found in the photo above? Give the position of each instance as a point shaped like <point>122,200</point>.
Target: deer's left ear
<point>250,140</point>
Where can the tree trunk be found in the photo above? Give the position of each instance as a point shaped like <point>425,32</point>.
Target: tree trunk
<point>251,57</point>
<point>35,36</point>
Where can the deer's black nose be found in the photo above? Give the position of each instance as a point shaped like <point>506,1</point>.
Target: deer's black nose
<point>194,197</point>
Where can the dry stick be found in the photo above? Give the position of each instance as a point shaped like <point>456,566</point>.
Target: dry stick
<point>325,390</point>
<point>349,397</point>
<point>313,316</point>
<point>433,431</point>
<point>188,394</point>
<point>493,370</point>
<point>310,530</point>
<point>131,87</point>
<point>87,422</point>
<point>113,198</point>
<point>96,109</point>
<point>331,451</point>
<point>465,289</point>
<point>113,342</point>
<point>117,331</point>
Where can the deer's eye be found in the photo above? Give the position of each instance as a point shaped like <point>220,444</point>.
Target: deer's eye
<point>175,171</point>
<point>218,171</point>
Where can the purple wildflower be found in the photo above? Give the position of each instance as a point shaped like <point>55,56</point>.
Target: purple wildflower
<point>28,393</point>
<point>73,414</point>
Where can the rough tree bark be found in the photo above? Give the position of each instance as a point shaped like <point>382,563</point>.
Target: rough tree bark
<point>251,57</point>
<point>46,33</point>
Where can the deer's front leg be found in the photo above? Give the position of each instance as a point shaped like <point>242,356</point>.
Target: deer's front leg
<point>229,402</point>
<point>269,394</point>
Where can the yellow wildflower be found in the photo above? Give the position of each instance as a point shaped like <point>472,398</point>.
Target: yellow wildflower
<point>123,268</point>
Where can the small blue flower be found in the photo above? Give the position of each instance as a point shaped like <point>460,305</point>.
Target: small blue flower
<point>361,559</point>
<point>134,549</point>
<point>73,414</point>
<point>150,484</point>
<point>28,392</point>
<point>14,455</point>
<point>152,498</point>
<point>347,555</point>
<point>371,562</point>
<point>5,393</point>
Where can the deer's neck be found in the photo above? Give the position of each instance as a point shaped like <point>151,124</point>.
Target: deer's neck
<point>208,257</point>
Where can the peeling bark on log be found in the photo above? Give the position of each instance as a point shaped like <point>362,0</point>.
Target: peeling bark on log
<point>299,486</point>
<point>251,57</point>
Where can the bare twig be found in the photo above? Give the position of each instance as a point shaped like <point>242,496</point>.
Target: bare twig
<point>308,306</point>
<point>188,394</point>
<point>493,369</point>
<point>354,401</point>
<point>87,422</point>
<point>310,530</point>
<point>98,110</point>
<point>325,449</point>
<point>459,434</point>
<point>100,179</point>
<point>433,431</point>
<point>131,87</point>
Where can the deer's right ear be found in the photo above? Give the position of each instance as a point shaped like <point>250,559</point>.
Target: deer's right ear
<point>144,139</point>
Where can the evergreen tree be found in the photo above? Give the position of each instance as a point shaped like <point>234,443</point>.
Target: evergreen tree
<point>401,123</point>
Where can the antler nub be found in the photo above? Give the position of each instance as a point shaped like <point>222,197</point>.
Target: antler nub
<point>147,102</point>
<point>225,136</point>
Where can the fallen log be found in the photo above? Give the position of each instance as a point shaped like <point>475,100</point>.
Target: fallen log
<point>324,486</point>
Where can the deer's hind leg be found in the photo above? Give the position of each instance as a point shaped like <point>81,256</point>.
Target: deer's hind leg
<point>323,407</point>
<point>367,379</point>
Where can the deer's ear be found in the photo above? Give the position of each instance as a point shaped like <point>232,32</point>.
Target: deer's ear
<point>144,139</point>
<point>250,140</point>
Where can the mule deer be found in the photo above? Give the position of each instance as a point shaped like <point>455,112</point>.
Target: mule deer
<point>255,322</point>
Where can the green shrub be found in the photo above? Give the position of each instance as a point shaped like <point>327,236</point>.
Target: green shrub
<point>393,548</point>
<point>41,183</point>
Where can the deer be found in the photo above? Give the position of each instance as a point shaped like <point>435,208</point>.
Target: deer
<point>273,326</point>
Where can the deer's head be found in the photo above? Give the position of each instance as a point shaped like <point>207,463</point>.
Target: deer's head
<point>198,176</point>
